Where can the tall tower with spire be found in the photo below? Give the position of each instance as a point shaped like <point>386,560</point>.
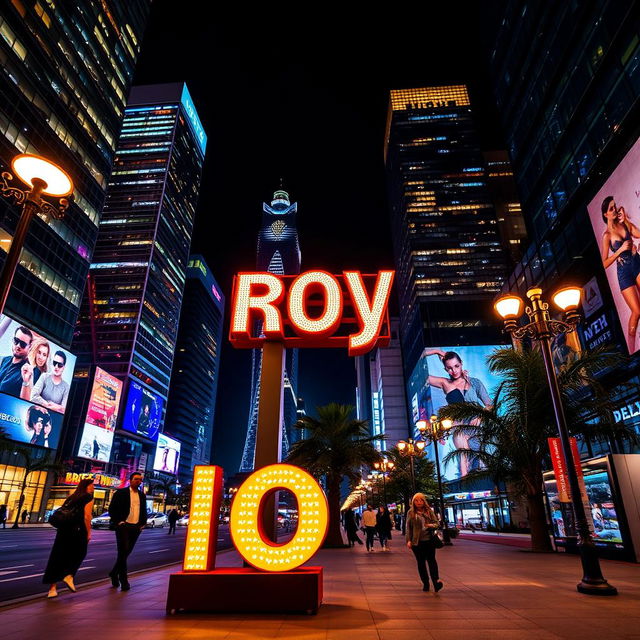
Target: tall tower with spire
<point>279,253</point>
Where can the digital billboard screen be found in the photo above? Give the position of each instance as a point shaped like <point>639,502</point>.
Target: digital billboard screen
<point>167,454</point>
<point>446,375</point>
<point>102,415</point>
<point>143,411</point>
<point>615,217</point>
<point>29,423</point>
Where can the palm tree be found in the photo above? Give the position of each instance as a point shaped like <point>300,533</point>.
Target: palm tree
<point>31,464</point>
<point>165,483</point>
<point>336,446</point>
<point>512,435</point>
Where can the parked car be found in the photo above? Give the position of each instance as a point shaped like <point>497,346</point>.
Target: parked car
<point>184,521</point>
<point>156,519</point>
<point>101,522</point>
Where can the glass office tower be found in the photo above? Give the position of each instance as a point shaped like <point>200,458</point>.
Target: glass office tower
<point>129,321</point>
<point>449,256</point>
<point>278,252</point>
<point>196,368</point>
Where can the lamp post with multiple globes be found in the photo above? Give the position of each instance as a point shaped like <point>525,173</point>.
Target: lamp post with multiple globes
<point>45,179</point>
<point>383,467</point>
<point>413,449</point>
<point>541,328</point>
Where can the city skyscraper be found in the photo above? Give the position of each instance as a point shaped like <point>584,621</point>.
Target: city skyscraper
<point>129,321</point>
<point>66,72</point>
<point>279,253</point>
<point>450,259</point>
<point>196,368</point>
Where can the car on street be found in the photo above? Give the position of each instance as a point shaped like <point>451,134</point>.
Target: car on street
<point>156,519</point>
<point>101,522</point>
<point>184,521</point>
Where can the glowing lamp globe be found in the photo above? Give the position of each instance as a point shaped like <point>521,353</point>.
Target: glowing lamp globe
<point>509,307</point>
<point>29,167</point>
<point>421,425</point>
<point>446,423</point>
<point>567,298</point>
<point>420,445</point>
<point>402,445</point>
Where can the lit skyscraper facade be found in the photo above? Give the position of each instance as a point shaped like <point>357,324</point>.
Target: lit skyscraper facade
<point>129,320</point>
<point>450,258</point>
<point>66,73</point>
<point>196,368</point>
<point>278,252</point>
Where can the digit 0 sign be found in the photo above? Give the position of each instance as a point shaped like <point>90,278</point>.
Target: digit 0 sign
<point>246,518</point>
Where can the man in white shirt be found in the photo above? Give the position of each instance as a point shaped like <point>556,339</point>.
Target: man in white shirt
<point>128,511</point>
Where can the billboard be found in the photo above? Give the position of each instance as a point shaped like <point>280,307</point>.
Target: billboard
<point>101,418</point>
<point>143,411</point>
<point>615,217</point>
<point>447,375</point>
<point>29,423</point>
<point>167,454</point>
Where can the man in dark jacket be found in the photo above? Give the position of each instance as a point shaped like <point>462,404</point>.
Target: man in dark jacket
<point>172,518</point>
<point>128,512</point>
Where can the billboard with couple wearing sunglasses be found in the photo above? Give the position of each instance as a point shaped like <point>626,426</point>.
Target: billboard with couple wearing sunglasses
<point>35,378</point>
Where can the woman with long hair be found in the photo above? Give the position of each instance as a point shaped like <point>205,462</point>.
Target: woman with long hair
<point>70,546</point>
<point>422,525</point>
<point>38,360</point>
<point>617,246</point>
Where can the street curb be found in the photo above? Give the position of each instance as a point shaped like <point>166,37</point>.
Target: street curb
<point>8,604</point>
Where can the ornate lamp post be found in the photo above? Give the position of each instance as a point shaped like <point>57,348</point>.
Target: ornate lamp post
<point>413,449</point>
<point>541,328</point>
<point>384,466</point>
<point>45,179</point>
<point>436,430</point>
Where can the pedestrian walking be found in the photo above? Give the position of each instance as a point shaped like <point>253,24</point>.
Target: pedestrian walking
<point>369,522</point>
<point>3,515</point>
<point>351,528</point>
<point>128,512</point>
<point>70,546</point>
<point>422,525</point>
<point>23,517</point>
<point>383,526</point>
<point>172,518</point>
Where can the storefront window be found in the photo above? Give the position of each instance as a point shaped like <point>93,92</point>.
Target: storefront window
<point>11,479</point>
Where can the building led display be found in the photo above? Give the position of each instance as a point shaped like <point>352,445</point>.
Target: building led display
<point>143,411</point>
<point>615,217</point>
<point>101,418</point>
<point>448,375</point>
<point>167,454</point>
<point>29,423</point>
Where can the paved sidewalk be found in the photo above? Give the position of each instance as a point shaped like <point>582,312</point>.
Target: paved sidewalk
<point>491,591</point>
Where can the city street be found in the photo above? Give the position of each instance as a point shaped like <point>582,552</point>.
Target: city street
<point>24,554</point>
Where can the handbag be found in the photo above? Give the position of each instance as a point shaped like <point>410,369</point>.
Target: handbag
<point>64,516</point>
<point>437,540</point>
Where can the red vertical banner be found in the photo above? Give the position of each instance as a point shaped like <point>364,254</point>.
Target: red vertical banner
<point>559,469</point>
<point>583,488</point>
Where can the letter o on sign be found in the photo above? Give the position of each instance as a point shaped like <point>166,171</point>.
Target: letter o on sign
<point>246,518</point>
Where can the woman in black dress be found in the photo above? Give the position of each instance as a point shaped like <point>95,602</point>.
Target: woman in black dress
<point>70,546</point>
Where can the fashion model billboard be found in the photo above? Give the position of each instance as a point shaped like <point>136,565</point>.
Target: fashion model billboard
<point>167,454</point>
<point>101,418</point>
<point>143,411</point>
<point>35,378</point>
<point>615,216</point>
<point>447,375</point>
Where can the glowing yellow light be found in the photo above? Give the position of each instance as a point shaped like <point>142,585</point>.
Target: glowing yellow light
<point>330,318</point>
<point>27,167</point>
<point>446,423</point>
<point>246,518</point>
<point>509,307</point>
<point>370,315</point>
<point>567,298</point>
<point>429,97</point>
<point>266,303</point>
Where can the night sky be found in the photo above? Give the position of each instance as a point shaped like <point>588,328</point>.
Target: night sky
<point>304,98</point>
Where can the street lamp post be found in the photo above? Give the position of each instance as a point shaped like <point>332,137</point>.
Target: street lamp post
<point>437,429</point>
<point>384,466</point>
<point>45,179</point>
<point>413,449</point>
<point>541,328</point>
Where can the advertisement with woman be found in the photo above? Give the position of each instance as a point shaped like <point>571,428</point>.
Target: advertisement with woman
<point>615,217</point>
<point>29,423</point>
<point>447,375</point>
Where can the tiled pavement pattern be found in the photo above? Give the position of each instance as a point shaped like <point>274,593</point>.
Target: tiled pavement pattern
<point>491,591</point>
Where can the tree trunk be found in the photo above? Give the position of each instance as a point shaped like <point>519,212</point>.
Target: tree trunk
<point>334,534</point>
<point>540,539</point>
<point>21,501</point>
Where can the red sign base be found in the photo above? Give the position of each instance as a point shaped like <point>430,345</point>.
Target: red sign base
<point>246,590</point>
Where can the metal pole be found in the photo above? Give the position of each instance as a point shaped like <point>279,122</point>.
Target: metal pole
<point>445,528</point>
<point>384,489</point>
<point>593,582</point>
<point>413,475</point>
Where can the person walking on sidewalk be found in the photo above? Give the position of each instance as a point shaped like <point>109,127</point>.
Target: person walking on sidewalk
<point>172,518</point>
<point>369,523</point>
<point>422,524</point>
<point>128,511</point>
<point>351,528</point>
<point>3,515</point>
<point>70,546</point>
<point>383,526</point>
